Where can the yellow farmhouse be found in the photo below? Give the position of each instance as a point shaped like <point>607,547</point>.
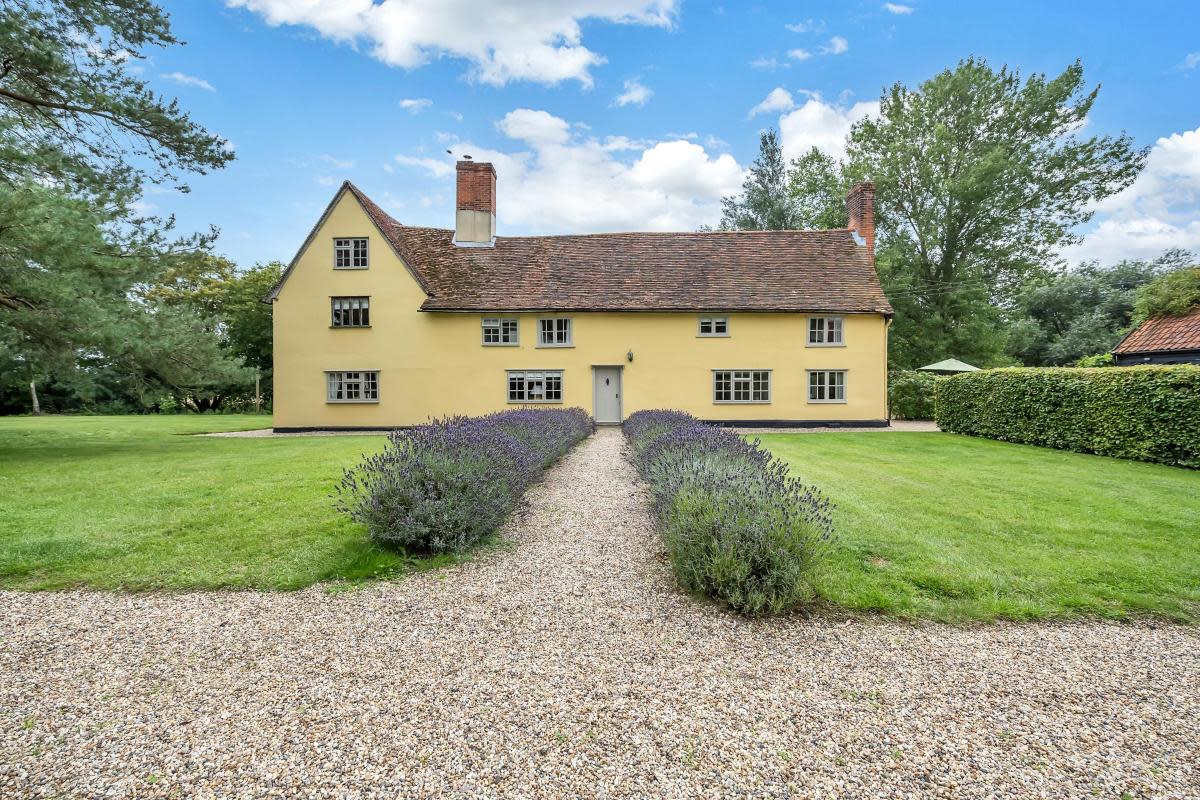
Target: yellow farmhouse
<point>382,325</point>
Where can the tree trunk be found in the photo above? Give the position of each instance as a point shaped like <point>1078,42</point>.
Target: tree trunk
<point>37,408</point>
<point>257,392</point>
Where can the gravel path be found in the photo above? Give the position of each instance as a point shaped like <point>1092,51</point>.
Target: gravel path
<point>568,665</point>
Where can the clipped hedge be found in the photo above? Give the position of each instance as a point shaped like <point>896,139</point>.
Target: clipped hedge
<point>444,486</point>
<point>737,526</point>
<point>1149,413</point>
<point>910,394</point>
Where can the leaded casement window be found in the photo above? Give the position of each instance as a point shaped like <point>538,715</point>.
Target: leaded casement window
<point>361,386</point>
<point>350,312</point>
<point>827,386</point>
<point>714,326</point>
<point>535,386</point>
<point>500,331</point>
<point>825,332</point>
<point>741,386</point>
<point>350,253</point>
<point>554,332</point>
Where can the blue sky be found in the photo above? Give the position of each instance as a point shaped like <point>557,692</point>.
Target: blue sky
<point>627,114</point>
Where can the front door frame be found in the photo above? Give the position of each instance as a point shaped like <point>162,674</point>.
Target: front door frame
<point>620,369</point>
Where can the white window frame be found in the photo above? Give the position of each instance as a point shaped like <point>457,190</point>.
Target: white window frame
<point>503,326</point>
<point>545,376</point>
<point>356,250</point>
<point>713,323</point>
<point>741,379</point>
<point>359,303</point>
<point>826,327</point>
<point>366,380</point>
<point>809,386</point>
<point>570,340</point>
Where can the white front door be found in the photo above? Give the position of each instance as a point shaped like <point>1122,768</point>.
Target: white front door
<point>606,395</point>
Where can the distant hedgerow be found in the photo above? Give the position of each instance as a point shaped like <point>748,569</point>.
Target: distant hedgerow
<point>444,486</point>
<point>737,526</point>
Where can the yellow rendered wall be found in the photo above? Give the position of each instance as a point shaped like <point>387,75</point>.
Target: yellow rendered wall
<point>433,363</point>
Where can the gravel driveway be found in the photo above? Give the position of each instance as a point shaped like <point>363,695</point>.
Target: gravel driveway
<point>568,665</point>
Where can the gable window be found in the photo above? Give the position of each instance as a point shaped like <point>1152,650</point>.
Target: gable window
<point>350,312</point>
<point>741,386</point>
<point>825,332</point>
<point>554,332</point>
<point>352,387</point>
<point>827,386</point>
<point>350,253</point>
<point>714,326</point>
<point>498,331</point>
<point>535,386</point>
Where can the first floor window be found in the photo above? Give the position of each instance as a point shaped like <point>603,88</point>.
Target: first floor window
<point>554,332</point>
<point>825,330</point>
<point>349,387</point>
<point>351,312</point>
<point>714,326</point>
<point>827,386</point>
<point>350,253</point>
<point>742,386</point>
<point>535,386</point>
<point>500,331</point>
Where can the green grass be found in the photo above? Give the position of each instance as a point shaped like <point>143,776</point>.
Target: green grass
<point>135,503</point>
<point>957,528</point>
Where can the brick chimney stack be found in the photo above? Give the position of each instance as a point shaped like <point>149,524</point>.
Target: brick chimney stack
<point>475,209</point>
<point>860,203</point>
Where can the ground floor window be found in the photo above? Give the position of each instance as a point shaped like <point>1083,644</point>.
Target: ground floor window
<point>742,386</point>
<point>827,386</point>
<point>352,387</point>
<point>535,386</point>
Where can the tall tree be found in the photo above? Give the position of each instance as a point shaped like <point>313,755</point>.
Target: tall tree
<point>1174,293</point>
<point>80,134</point>
<point>765,203</point>
<point>981,178</point>
<point>818,186</point>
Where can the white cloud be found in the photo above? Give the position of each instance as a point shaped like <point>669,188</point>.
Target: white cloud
<point>635,94</point>
<point>503,40</point>
<point>821,125</point>
<point>897,8</point>
<point>766,63</point>
<point>837,45</point>
<point>799,54</point>
<point>1159,211</point>
<point>415,105</point>
<point>779,99</point>
<point>435,166</point>
<point>189,80</point>
<point>807,26</point>
<point>536,128</point>
<point>1190,61</point>
<point>559,181</point>
<point>335,162</point>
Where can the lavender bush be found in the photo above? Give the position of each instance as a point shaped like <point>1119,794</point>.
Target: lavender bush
<point>738,527</point>
<point>444,486</point>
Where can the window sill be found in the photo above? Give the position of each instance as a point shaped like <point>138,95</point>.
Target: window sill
<point>500,344</point>
<point>818,344</point>
<point>827,402</point>
<point>349,269</point>
<point>555,346</point>
<point>712,336</point>
<point>348,327</point>
<point>351,402</point>
<point>741,402</point>
<point>535,402</point>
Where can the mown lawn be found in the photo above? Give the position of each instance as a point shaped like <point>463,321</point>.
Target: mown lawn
<point>135,502</point>
<point>957,528</point>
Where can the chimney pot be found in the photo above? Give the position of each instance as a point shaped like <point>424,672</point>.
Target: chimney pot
<point>860,205</point>
<point>475,206</point>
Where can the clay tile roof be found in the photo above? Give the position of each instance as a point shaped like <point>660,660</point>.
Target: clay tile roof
<point>821,270</point>
<point>1164,334</point>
